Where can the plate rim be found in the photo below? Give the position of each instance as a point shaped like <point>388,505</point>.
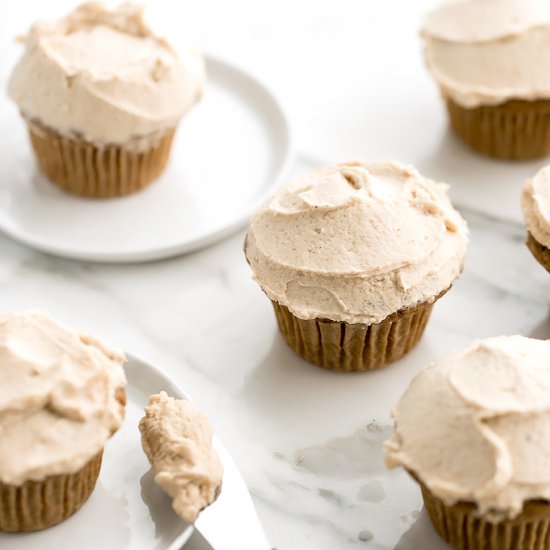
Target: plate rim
<point>174,250</point>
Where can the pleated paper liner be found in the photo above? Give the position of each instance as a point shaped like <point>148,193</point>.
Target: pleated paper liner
<point>539,251</point>
<point>37,505</point>
<point>88,170</point>
<point>350,347</point>
<point>515,130</point>
<point>461,526</point>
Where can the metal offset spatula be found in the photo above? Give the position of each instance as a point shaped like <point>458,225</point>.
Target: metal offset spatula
<point>231,522</point>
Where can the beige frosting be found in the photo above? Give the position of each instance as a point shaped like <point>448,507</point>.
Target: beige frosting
<point>57,398</point>
<point>487,52</point>
<point>177,440</point>
<point>356,242</point>
<point>535,202</point>
<point>475,426</point>
<point>104,76</point>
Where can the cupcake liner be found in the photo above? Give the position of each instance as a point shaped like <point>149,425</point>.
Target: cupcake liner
<point>40,504</point>
<point>85,169</point>
<point>461,526</point>
<point>350,347</point>
<point>539,251</point>
<point>516,129</point>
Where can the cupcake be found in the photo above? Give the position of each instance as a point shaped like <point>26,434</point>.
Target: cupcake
<point>353,257</point>
<point>473,430</point>
<point>102,96</point>
<point>535,202</point>
<point>177,440</point>
<point>62,398</point>
<point>491,61</point>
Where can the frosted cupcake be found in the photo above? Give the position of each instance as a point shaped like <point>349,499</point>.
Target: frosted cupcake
<point>491,61</point>
<point>353,257</point>
<point>102,96</point>
<point>62,398</point>
<point>474,430</point>
<point>535,202</point>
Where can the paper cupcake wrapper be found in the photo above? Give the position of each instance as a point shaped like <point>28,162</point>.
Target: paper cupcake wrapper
<point>461,527</point>
<point>516,130</point>
<point>353,347</point>
<point>37,505</point>
<point>539,251</point>
<point>85,169</point>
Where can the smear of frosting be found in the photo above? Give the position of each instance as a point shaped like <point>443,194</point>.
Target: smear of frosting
<point>486,52</point>
<point>103,76</point>
<point>60,398</point>
<point>356,242</point>
<point>177,440</point>
<point>475,426</point>
<point>535,202</point>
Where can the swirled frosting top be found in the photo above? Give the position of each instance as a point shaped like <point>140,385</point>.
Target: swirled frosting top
<point>535,202</point>
<point>103,76</point>
<point>475,426</point>
<point>487,52</point>
<point>356,242</point>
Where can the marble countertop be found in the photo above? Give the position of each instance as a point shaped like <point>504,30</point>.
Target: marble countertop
<point>308,442</point>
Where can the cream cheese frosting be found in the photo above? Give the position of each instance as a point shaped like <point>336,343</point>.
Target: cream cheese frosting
<point>535,202</point>
<point>103,76</point>
<point>487,52</point>
<point>177,440</point>
<point>356,242</point>
<point>60,398</point>
<point>475,426</point>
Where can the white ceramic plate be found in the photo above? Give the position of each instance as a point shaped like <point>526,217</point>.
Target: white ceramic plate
<point>229,153</point>
<point>127,510</point>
